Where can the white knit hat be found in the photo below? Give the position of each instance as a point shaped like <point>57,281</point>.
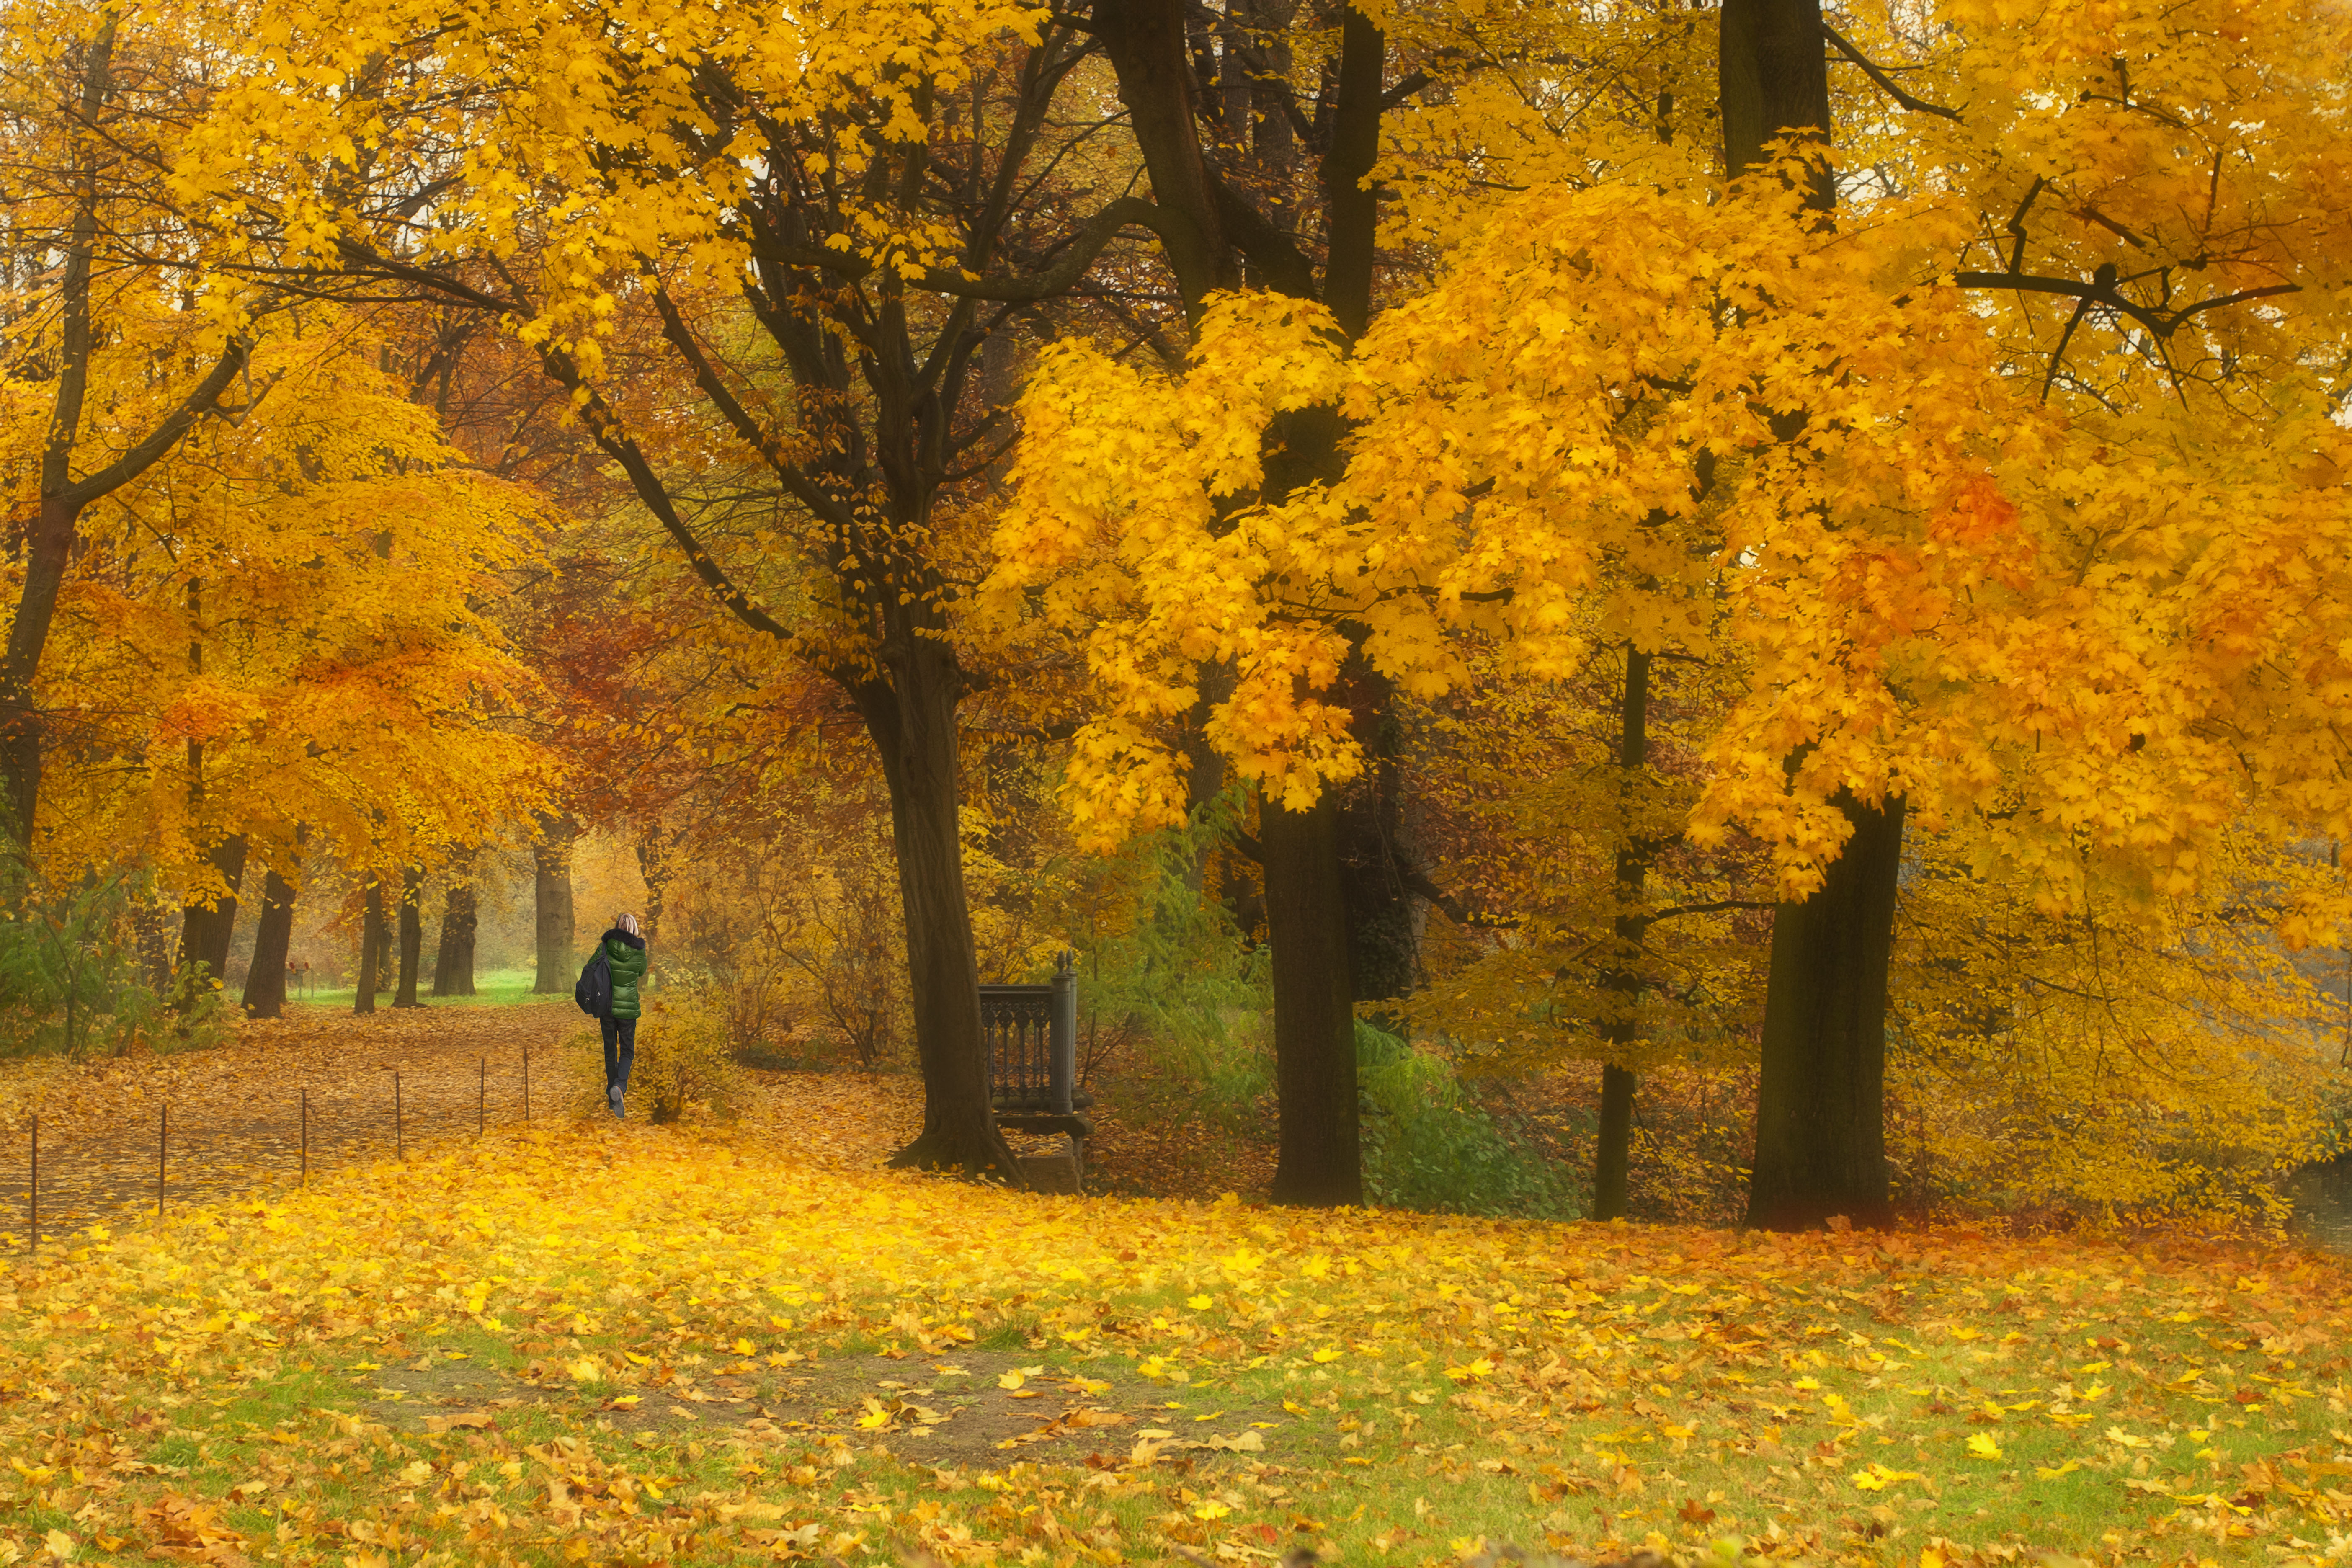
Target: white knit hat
<point>627,922</point>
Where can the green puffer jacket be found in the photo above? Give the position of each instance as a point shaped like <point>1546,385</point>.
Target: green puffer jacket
<point>628,959</point>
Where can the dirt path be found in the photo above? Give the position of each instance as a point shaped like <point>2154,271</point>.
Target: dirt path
<point>236,1114</point>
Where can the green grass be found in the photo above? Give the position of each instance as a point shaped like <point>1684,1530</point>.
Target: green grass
<point>492,988</point>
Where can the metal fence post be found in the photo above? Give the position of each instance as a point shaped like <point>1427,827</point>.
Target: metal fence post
<point>163,1143</point>
<point>1063,1036</point>
<point>481,1097</point>
<point>525,1081</point>
<point>399,1141</point>
<point>33,1195</point>
<point>306,1134</point>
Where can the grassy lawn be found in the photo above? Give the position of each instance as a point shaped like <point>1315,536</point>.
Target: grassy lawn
<point>492,988</point>
<point>622,1345</point>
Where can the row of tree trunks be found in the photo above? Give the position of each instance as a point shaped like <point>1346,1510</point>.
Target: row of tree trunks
<point>265,984</point>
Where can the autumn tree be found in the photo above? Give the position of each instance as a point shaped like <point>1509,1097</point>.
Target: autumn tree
<point>116,344</point>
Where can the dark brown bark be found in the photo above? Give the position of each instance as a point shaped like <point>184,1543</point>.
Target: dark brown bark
<point>1145,40</point>
<point>1385,918</point>
<point>1612,1160</point>
<point>656,866</point>
<point>370,948</point>
<point>206,929</point>
<point>453,958</point>
<point>550,864</point>
<point>1322,1159</point>
<point>1775,84</point>
<point>1621,982</point>
<point>273,938</point>
<point>913,725</point>
<point>1821,1107</point>
<point>412,935</point>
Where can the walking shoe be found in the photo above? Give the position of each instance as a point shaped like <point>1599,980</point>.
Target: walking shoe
<point>619,1110</point>
<point>612,1096</point>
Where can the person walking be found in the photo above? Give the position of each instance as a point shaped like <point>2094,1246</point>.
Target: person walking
<point>626,956</point>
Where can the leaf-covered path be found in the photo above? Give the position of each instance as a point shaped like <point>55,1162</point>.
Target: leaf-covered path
<point>583,1342</point>
<point>235,1114</point>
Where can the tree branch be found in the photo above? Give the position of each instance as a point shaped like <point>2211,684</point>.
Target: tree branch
<point>1885,84</point>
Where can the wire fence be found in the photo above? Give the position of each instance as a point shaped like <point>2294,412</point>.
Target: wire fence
<point>144,1163</point>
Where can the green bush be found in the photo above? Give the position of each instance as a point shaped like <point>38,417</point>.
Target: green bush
<point>1428,1146</point>
<point>1179,998</point>
<point>72,980</point>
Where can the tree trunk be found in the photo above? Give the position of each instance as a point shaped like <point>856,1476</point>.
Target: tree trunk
<point>656,865</point>
<point>1821,1106</point>
<point>1612,1160</point>
<point>1321,1161</point>
<point>551,862</point>
<point>370,948</point>
<point>1621,982</point>
<point>412,934</point>
<point>453,960</point>
<point>1820,1145</point>
<point>913,724</point>
<point>265,981</point>
<point>1384,918</point>
<point>204,933</point>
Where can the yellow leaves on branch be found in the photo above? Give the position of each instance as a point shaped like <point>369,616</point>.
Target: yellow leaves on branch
<point>1734,425</point>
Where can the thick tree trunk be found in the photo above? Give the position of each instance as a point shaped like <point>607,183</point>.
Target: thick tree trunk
<point>452,959</point>
<point>412,935</point>
<point>1621,982</point>
<point>206,931</point>
<point>1775,83</point>
<point>1821,1108</point>
<point>265,980</point>
<point>913,724</point>
<point>1321,1161</point>
<point>551,862</point>
<point>370,948</point>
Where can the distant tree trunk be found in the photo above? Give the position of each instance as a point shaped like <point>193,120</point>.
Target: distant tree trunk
<point>913,719</point>
<point>1621,981</point>
<point>370,947</point>
<point>204,931</point>
<point>265,981</point>
<point>656,865</point>
<point>550,861</point>
<point>1322,1159</point>
<point>412,934</point>
<point>452,959</point>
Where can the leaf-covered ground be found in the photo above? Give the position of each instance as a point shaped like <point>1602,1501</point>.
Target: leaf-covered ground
<point>615,1345</point>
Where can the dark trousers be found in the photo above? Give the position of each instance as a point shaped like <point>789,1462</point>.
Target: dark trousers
<point>619,1050</point>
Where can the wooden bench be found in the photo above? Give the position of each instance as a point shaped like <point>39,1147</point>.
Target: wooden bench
<point>1032,1071</point>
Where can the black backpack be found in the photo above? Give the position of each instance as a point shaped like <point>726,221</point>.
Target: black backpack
<point>595,990</point>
